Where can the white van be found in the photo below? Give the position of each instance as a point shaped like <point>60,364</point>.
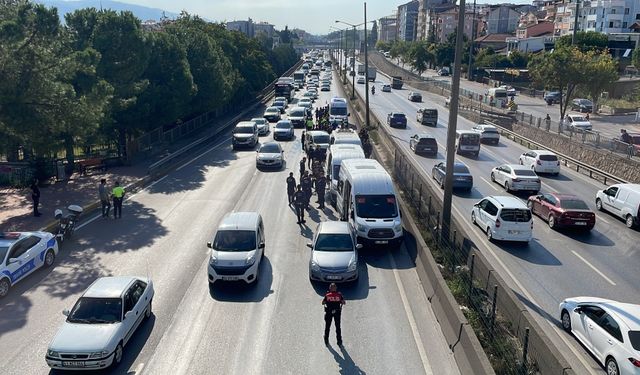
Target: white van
<point>237,248</point>
<point>338,110</point>
<point>497,96</point>
<point>467,142</point>
<point>503,218</point>
<point>622,200</point>
<point>346,136</point>
<point>367,199</point>
<point>338,153</point>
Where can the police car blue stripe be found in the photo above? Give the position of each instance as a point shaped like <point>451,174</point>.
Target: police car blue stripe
<point>51,242</point>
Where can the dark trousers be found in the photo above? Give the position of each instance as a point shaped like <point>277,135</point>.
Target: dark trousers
<point>328,316</point>
<point>36,203</point>
<point>290,195</point>
<point>300,213</point>
<point>117,207</point>
<point>320,198</point>
<point>307,198</point>
<point>106,207</point>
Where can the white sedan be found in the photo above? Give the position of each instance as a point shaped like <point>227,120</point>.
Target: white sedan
<point>101,323</point>
<point>516,178</point>
<point>610,330</point>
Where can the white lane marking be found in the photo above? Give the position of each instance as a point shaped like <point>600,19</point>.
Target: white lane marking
<point>593,268</point>
<point>491,184</point>
<point>88,222</point>
<point>414,327</point>
<point>203,154</point>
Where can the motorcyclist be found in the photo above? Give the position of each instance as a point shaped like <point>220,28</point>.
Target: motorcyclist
<point>373,90</point>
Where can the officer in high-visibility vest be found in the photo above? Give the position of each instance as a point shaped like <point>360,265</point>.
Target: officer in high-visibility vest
<point>118,196</point>
<point>332,302</point>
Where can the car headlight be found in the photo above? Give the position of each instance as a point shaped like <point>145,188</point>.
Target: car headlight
<point>314,266</point>
<point>397,227</point>
<point>278,157</point>
<point>360,227</point>
<point>101,354</point>
<point>213,260</point>
<point>251,259</point>
<point>53,353</point>
<point>352,265</point>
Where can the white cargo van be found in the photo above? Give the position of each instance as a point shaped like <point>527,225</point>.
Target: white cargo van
<point>338,109</point>
<point>367,199</point>
<point>346,136</point>
<point>338,153</point>
<point>503,218</point>
<point>622,200</point>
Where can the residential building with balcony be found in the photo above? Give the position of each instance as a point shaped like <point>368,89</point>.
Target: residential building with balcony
<point>609,16</point>
<point>387,28</point>
<point>423,10</point>
<point>407,21</point>
<point>443,21</point>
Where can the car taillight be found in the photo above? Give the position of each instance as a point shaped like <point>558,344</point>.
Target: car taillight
<point>497,223</point>
<point>515,180</point>
<point>634,362</point>
<point>538,162</point>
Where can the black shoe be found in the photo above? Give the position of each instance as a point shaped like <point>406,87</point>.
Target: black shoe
<point>304,221</point>
<point>298,222</point>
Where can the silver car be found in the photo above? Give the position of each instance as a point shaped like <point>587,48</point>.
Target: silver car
<point>334,253</point>
<point>283,130</point>
<point>270,154</point>
<point>263,125</point>
<point>516,177</point>
<point>101,323</point>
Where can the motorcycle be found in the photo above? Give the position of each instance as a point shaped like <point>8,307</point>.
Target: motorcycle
<point>67,223</point>
<point>373,90</point>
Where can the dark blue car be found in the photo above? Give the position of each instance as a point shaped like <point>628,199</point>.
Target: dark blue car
<point>397,120</point>
<point>462,178</point>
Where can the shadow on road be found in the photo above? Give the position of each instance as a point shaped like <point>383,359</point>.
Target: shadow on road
<point>593,237</point>
<point>353,290</point>
<point>239,291</point>
<point>347,366</point>
<point>533,252</point>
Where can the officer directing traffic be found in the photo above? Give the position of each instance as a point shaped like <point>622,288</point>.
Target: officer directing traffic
<point>332,302</point>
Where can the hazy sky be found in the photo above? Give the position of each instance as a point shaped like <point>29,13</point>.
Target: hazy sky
<point>314,16</point>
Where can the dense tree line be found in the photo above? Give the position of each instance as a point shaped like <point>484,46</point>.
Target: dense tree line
<point>101,78</point>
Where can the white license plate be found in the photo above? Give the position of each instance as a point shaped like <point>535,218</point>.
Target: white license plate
<point>514,232</point>
<point>72,364</point>
<point>580,223</point>
<point>230,278</point>
<point>381,242</point>
<point>332,277</point>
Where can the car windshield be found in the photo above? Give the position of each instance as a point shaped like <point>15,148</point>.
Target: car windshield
<point>334,242</point>
<point>460,169</point>
<point>573,204</point>
<point>243,130</point>
<point>321,139</point>
<point>259,120</point>
<point>338,111</point>
<point>272,110</point>
<point>584,102</point>
<point>283,125</point>
<point>515,215</point>
<point>399,115</point>
<point>579,118</point>
<point>3,252</point>
<point>235,240</point>
<point>270,149</point>
<point>278,103</point>
<point>429,112</point>
<point>548,158</point>
<point>469,139</point>
<point>297,113</point>
<point>427,141</point>
<point>524,172</point>
<point>376,206</point>
<point>634,337</point>
<point>489,130</point>
<point>96,310</point>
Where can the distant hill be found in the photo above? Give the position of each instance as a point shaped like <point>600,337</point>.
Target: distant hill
<point>142,12</point>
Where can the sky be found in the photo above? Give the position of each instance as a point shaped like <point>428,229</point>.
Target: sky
<point>313,16</point>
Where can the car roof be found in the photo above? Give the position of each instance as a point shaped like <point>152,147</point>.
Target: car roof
<point>283,121</point>
<point>397,113</point>
<point>239,221</point>
<point>246,123</point>
<point>317,132</point>
<point>9,238</point>
<point>466,132</point>
<point>543,152</point>
<point>272,109</point>
<point>258,119</point>
<point>506,201</point>
<point>424,135</point>
<point>109,287</point>
<point>270,144</point>
<point>626,312</point>
<point>334,227</point>
<point>486,126</point>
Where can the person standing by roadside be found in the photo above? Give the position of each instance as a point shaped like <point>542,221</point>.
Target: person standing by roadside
<point>302,139</point>
<point>303,164</point>
<point>305,183</point>
<point>118,197</point>
<point>332,302</point>
<point>320,185</point>
<point>298,202</point>
<point>291,187</point>
<point>35,197</point>
<point>311,155</point>
<point>104,198</point>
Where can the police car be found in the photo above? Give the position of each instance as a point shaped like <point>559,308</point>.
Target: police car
<point>21,253</point>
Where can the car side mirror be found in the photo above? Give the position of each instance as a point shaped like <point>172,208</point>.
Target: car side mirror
<point>209,245</point>
<point>578,310</point>
<point>310,245</point>
<point>12,260</point>
<point>359,246</point>
<point>261,245</point>
<point>66,312</point>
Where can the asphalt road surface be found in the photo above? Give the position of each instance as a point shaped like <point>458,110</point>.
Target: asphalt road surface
<point>274,327</point>
<point>557,263</point>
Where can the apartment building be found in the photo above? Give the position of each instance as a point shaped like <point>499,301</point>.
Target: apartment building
<point>387,28</point>
<point>502,19</point>
<point>443,21</point>
<point>609,16</point>
<point>407,21</point>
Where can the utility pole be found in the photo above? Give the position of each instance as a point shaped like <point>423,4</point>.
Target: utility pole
<point>366,68</point>
<point>575,23</point>
<point>473,35</point>
<point>353,67</point>
<point>451,129</point>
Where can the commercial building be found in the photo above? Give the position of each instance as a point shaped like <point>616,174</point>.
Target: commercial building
<point>407,21</point>
<point>251,29</point>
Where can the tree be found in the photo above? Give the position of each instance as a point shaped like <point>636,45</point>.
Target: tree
<point>563,69</point>
<point>399,51</point>
<point>373,36</point>
<point>381,45</point>
<point>285,35</point>
<point>585,40</point>
<point>635,57</point>
<point>518,59</point>
<point>601,71</point>
<point>421,56</point>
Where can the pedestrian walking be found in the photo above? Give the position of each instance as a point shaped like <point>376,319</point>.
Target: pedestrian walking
<point>320,185</point>
<point>332,302</point>
<point>291,187</point>
<point>103,194</point>
<point>367,148</point>
<point>118,197</point>
<point>303,164</point>
<point>298,203</point>
<point>587,117</point>
<point>305,183</point>
<point>302,140</point>
<point>35,197</point>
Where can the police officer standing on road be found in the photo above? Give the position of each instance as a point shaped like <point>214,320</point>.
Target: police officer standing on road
<point>104,198</point>
<point>35,196</point>
<point>303,164</point>
<point>298,202</point>
<point>302,139</point>
<point>118,197</point>
<point>305,183</point>
<point>332,302</point>
<point>320,185</point>
<point>291,187</point>
<point>311,154</point>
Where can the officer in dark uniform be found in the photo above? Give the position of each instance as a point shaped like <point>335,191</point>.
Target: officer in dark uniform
<point>311,154</point>
<point>366,147</point>
<point>302,139</point>
<point>305,183</point>
<point>298,202</point>
<point>291,187</point>
<point>332,301</point>
<point>320,185</point>
<point>303,164</point>
<point>321,154</point>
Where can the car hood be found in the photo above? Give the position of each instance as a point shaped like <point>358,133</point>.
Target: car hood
<point>333,259</point>
<point>83,338</point>
<point>296,118</point>
<point>232,258</point>
<point>281,130</point>
<point>264,156</point>
<point>242,136</point>
<point>585,299</point>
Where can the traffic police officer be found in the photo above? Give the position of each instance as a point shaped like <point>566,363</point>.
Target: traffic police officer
<point>305,183</point>
<point>298,202</point>
<point>291,187</point>
<point>302,166</point>
<point>118,197</point>
<point>332,301</point>
<point>320,184</point>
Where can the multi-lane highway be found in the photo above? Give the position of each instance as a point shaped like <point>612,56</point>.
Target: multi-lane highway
<point>556,264</point>
<point>273,327</point>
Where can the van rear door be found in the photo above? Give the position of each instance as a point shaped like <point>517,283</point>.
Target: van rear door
<point>515,222</point>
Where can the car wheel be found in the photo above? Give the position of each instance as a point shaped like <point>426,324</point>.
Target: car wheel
<point>493,177</point>
<point>147,313</point>
<point>611,367</point>
<point>117,357</point>
<point>49,258</point>
<point>473,217</point>
<point>4,287</point>
<point>565,319</point>
<point>599,204</point>
<point>552,222</point>
<point>629,221</point>
<point>507,188</point>
<point>489,234</point>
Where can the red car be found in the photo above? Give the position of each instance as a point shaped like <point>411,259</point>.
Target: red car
<point>562,210</point>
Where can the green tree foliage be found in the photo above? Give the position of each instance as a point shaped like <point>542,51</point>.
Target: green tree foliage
<point>421,56</point>
<point>381,45</point>
<point>518,59</point>
<point>635,57</point>
<point>601,71</point>
<point>585,40</point>
<point>373,36</point>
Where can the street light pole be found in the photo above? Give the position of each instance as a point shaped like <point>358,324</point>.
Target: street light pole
<point>451,129</point>
<point>366,68</point>
<point>575,23</point>
<point>473,35</point>
<point>353,67</point>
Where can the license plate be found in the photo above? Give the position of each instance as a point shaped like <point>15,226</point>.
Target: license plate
<point>230,278</point>
<point>72,364</point>
<point>580,223</point>
<point>514,232</point>
<point>332,277</point>
<point>381,242</point>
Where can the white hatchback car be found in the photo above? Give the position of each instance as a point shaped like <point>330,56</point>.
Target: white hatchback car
<point>101,323</point>
<point>515,177</point>
<point>610,330</point>
<point>503,218</point>
<point>541,161</point>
